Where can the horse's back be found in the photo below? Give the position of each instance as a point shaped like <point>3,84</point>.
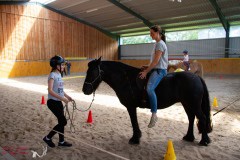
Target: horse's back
<point>177,86</point>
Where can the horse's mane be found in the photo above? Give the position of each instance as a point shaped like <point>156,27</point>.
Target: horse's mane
<point>121,67</point>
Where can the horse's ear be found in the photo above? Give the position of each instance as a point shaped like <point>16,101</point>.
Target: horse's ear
<point>99,60</point>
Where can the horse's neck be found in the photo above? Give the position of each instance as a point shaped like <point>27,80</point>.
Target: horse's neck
<point>115,75</point>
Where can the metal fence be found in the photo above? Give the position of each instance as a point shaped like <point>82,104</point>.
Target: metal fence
<point>197,49</point>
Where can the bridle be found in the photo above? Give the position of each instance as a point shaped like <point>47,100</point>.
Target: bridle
<point>98,77</point>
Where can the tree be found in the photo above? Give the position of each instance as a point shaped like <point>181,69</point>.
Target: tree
<point>137,39</point>
<point>183,35</point>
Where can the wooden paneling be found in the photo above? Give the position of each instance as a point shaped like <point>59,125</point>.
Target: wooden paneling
<point>31,32</point>
<point>226,66</point>
<point>34,68</point>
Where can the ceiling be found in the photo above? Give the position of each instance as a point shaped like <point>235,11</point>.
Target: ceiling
<point>133,17</point>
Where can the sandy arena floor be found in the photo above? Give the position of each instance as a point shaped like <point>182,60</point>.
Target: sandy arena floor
<point>24,122</point>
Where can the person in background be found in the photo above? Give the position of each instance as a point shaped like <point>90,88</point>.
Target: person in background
<point>68,67</point>
<point>56,95</point>
<point>186,60</point>
<point>64,69</point>
<point>157,67</point>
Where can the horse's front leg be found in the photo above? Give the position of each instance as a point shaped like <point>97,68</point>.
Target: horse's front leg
<point>136,131</point>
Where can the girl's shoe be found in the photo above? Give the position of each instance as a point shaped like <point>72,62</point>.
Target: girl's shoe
<point>64,144</point>
<point>49,142</point>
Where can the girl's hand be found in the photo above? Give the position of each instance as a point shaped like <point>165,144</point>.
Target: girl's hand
<point>65,100</point>
<point>69,98</point>
<point>143,74</point>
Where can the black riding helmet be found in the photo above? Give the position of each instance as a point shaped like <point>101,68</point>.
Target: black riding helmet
<point>185,51</point>
<point>56,60</point>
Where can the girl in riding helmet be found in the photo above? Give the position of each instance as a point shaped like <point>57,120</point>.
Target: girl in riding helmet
<point>56,95</point>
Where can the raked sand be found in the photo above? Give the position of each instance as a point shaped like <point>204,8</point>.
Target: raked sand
<point>24,122</point>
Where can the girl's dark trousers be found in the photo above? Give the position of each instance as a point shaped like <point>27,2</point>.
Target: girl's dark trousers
<point>57,109</point>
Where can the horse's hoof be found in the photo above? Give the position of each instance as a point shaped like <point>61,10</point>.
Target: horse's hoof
<point>208,140</point>
<point>134,141</point>
<point>188,138</point>
<point>205,142</point>
<point>202,143</point>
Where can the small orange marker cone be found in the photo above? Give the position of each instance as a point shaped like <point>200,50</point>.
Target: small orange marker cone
<point>215,103</point>
<point>43,100</point>
<point>90,120</point>
<point>170,154</point>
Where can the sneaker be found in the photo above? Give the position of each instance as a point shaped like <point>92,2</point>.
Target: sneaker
<point>49,142</point>
<point>64,144</point>
<point>152,121</point>
<point>189,69</point>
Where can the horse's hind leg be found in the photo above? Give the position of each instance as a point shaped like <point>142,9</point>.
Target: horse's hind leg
<point>202,128</point>
<point>191,116</point>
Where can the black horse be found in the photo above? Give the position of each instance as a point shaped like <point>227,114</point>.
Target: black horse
<point>184,87</point>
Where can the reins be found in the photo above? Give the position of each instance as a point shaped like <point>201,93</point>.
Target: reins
<point>70,116</point>
<point>74,107</point>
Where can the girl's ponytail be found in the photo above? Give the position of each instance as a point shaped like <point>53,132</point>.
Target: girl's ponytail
<point>157,28</point>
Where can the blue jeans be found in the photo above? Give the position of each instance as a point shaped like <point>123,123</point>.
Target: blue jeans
<point>153,82</point>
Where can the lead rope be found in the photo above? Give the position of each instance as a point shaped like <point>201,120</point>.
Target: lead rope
<point>226,106</point>
<point>67,113</point>
<point>69,116</point>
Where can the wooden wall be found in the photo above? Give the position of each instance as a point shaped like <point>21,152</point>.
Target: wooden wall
<point>33,34</point>
<point>227,66</point>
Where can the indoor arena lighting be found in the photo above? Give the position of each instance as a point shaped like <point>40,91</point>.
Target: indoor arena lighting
<point>91,10</point>
<point>176,0</point>
<point>43,1</point>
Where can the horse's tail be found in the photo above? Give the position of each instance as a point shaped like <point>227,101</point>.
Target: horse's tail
<point>206,109</point>
<point>201,69</point>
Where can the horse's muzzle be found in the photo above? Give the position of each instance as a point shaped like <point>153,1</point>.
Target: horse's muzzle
<point>87,90</point>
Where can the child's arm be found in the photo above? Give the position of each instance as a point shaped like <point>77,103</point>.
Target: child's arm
<point>68,97</point>
<point>50,91</point>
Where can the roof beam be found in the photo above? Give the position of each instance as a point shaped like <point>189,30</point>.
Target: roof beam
<point>225,24</point>
<point>222,18</point>
<point>120,5</point>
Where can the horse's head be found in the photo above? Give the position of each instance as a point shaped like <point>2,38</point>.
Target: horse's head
<point>93,77</point>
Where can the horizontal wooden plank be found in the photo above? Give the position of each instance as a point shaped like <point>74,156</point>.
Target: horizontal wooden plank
<point>32,33</point>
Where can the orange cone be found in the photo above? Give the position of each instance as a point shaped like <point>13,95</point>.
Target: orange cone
<point>90,120</point>
<point>43,100</point>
